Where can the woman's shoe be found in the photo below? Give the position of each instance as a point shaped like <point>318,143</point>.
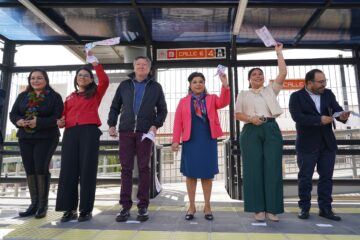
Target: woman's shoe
<point>260,216</point>
<point>209,216</point>
<point>272,217</point>
<point>68,216</point>
<point>189,215</point>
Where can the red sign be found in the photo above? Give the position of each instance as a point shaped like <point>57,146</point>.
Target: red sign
<point>293,84</point>
<point>191,53</point>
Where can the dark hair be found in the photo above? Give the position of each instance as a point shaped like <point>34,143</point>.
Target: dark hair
<point>251,71</point>
<point>194,75</point>
<point>91,88</point>
<point>310,76</point>
<point>29,88</point>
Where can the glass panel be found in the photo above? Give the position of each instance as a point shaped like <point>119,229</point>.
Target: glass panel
<point>282,31</point>
<point>103,22</point>
<point>336,25</point>
<point>21,24</point>
<point>191,24</point>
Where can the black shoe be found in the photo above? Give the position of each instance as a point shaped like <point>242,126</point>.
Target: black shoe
<point>329,214</point>
<point>304,214</point>
<point>84,216</point>
<point>68,216</point>
<point>123,215</point>
<point>143,214</point>
<point>209,216</point>
<point>189,216</point>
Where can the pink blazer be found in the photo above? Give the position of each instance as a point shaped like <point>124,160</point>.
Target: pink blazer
<point>182,122</point>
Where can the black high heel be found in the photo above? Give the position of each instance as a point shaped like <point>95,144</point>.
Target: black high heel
<point>209,216</point>
<point>189,216</point>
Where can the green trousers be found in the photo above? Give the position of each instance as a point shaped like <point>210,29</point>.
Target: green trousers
<point>261,151</point>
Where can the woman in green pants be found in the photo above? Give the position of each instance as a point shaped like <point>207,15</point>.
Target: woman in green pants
<point>261,143</point>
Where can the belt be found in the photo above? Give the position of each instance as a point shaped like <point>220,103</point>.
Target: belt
<point>267,119</point>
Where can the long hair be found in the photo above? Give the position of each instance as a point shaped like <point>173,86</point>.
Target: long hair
<point>194,75</point>
<point>91,88</point>
<point>250,72</point>
<point>29,88</point>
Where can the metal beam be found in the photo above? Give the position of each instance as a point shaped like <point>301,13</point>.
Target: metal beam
<point>5,84</point>
<point>147,33</point>
<point>51,18</point>
<point>312,20</point>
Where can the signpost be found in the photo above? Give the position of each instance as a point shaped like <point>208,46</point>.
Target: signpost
<point>191,53</point>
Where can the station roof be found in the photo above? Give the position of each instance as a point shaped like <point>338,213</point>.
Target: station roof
<point>296,23</point>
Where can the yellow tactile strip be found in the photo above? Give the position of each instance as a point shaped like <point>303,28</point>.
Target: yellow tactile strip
<point>82,234</point>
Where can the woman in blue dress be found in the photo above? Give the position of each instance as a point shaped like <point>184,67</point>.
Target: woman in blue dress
<point>197,124</point>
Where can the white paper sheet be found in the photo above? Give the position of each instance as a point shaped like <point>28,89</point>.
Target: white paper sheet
<point>220,70</point>
<point>106,42</point>
<point>150,135</point>
<point>266,36</point>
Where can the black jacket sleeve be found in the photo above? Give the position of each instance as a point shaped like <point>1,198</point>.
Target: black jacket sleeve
<point>15,114</point>
<point>297,114</point>
<point>50,121</point>
<point>161,110</point>
<point>115,108</point>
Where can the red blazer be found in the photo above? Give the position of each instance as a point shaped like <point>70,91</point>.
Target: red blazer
<point>182,122</point>
<point>79,110</point>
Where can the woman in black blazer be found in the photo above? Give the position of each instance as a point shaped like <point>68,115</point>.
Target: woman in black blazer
<point>35,113</point>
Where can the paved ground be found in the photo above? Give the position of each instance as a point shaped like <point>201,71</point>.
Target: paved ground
<point>167,220</point>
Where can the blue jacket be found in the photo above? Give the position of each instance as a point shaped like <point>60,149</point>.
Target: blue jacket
<point>311,135</point>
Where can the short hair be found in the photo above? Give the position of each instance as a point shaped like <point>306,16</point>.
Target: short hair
<point>194,75</point>
<point>143,57</point>
<point>310,76</point>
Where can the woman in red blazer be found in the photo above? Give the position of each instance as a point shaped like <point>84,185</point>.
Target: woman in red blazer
<point>197,123</point>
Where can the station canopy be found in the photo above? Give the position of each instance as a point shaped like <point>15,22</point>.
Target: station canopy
<point>146,23</point>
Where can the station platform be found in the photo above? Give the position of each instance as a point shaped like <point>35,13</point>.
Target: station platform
<point>167,220</point>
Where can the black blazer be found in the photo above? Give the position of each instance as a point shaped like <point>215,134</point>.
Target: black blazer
<point>311,135</point>
<point>49,111</point>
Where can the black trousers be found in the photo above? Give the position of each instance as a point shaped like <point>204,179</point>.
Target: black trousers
<point>37,153</point>
<point>79,163</point>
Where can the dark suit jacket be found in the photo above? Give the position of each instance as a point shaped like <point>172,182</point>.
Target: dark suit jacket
<point>311,135</point>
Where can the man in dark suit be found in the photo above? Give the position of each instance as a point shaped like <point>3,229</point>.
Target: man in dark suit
<point>314,109</point>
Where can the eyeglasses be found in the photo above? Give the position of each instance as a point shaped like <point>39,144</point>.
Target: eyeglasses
<point>83,75</point>
<point>323,82</point>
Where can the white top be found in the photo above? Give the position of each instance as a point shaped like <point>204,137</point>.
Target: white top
<point>260,102</point>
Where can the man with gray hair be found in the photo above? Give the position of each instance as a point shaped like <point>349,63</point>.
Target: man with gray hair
<point>140,101</point>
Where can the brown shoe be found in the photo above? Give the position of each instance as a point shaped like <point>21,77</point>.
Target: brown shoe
<point>272,217</point>
<point>260,216</point>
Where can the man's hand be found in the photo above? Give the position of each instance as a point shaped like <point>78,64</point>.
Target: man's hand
<point>344,115</point>
<point>113,132</point>
<point>153,129</point>
<point>326,120</point>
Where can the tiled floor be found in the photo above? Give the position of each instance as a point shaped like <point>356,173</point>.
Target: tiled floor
<point>167,221</point>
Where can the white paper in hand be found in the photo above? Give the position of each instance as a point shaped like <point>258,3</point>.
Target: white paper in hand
<point>91,59</point>
<point>150,135</point>
<point>106,42</point>
<point>220,70</point>
<point>266,36</point>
